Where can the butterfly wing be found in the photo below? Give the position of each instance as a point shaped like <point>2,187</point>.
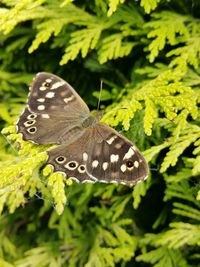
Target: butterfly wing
<point>70,159</point>
<point>113,158</point>
<point>53,104</point>
<point>101,154</point>
<point>52,95</point>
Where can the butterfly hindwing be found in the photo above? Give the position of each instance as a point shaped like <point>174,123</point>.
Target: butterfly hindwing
<point>70,159</point>
<point>100,154</point>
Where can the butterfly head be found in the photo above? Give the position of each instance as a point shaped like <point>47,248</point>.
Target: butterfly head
<point>98,115</point>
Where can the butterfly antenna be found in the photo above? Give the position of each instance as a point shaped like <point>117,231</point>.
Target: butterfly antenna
<point>9,142</point>
<point>100,92</point>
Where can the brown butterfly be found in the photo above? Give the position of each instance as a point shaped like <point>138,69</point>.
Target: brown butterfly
<point>88,151</point>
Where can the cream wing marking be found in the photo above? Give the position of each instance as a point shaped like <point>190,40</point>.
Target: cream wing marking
<point>57,85</point>
<point>129,154</point>
<point>85,156</point>
<point>50,95</point>
<point>41,107</point>
<point>95,163</point>
<point>114,158</point>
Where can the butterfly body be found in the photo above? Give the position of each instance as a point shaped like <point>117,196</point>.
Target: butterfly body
<point>88,151</point>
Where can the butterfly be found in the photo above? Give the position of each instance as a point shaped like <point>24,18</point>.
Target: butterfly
<point>88,151</point>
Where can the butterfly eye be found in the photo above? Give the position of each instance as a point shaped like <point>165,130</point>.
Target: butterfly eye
<point>72,165</point>
<point>31,116</point>
<point>32,130</point>
<point>81,168</point>
<point>60,159</point>
<point>28,123</point>
<point>129,164</point>
<point>47,84</point>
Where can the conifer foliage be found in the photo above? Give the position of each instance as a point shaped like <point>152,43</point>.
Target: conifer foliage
<point>147,53</point>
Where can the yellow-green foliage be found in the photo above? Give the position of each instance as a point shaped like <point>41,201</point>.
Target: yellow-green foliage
<point>147,54</point>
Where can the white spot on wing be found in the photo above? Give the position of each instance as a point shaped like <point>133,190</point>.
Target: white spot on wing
<point>109,141</point>
<point>50,94</point>
<point>48,80</point>
<point>114,158</point>
<point>41,100</point>
<point>136,164</point>
<point>42,88</point>
<point>41,107</point>
<point>95,163</point>
<point>85,156</point>
<point>105,165</point>
<point>123,168</point>
<point>45,116</point>
<point>57,85</point>
<point>129,154</point>
<point>68,99</point>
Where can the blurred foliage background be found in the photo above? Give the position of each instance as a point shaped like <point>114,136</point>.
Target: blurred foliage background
<point>147,54</point>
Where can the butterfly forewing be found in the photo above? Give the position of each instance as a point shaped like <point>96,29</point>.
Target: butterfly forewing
<point>54,112</point>
<point>52,95</point>
<point>90,151</point>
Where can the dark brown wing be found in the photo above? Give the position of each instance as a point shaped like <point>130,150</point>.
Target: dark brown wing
<point>51,94</point>
<point>114,159</point>
<point>100,154</point>
<point>54,113</point>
